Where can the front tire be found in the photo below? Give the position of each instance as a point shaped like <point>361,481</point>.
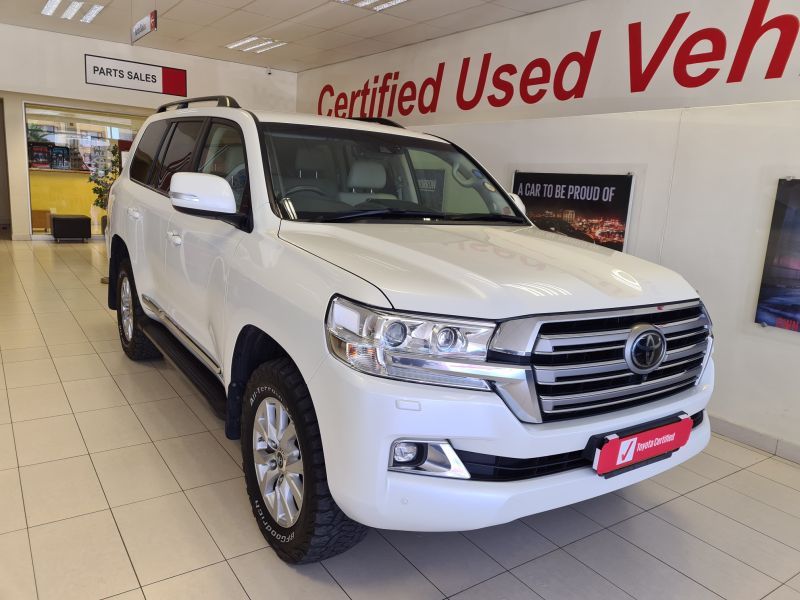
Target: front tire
<point>285,469</point>
<point>136,344</point>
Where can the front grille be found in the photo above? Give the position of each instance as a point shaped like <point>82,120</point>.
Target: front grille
<point>579,360</point>
<point>487,467</point>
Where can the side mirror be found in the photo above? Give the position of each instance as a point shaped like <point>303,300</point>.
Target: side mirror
<point>519,203</point>
<point>202,194</point>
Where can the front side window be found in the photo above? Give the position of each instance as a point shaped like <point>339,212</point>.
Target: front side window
<point>336,174</point>
<point>146,151</point>
<point>179,154</point>
<point>223,155</point>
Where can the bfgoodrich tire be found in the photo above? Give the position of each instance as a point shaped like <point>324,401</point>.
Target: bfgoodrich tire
<point>285,469</point>
<point>129,312</point>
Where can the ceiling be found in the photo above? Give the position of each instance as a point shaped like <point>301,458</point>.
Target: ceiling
<point>315,32</point>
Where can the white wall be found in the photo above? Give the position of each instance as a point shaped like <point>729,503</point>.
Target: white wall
<point>705,183</point>
<point>54,74</point>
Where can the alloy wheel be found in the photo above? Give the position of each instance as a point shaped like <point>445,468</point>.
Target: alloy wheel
<point>126,308</point>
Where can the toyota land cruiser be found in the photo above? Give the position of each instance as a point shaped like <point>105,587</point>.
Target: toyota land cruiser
<point>394,342</point>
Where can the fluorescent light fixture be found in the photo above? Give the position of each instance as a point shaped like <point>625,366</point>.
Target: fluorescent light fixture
<point>271,47</point>
<point>386,5</point>
<point>363,3</point>
<point>71,10</point>
<point>242,42</point>
<point>50,7</point>
<point>260,44</point>
<point>92,13</point>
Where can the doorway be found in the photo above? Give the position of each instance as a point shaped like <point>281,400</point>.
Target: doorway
<point>5,199</point>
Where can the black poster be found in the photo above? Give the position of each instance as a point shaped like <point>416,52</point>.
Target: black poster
<point>592,208</point>
<point>779,299</point>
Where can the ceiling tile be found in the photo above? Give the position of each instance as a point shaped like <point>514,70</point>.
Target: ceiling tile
<point>374,25</point>
<point>175,30</point>
<point>283,9</point>
<point>413,35</point>
<point>139,8</point>
<point>241,22</point>
<point>423,10</point>
<point>197,12</point>
<point>330,15</point>
<point>364,47</point>
<point>289,32</point>
<point>230,3</point>
<point>329,39</point>
<point>477,16</point>
<point>532,6</point>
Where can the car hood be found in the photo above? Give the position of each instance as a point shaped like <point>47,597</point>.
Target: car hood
<point>489,272</point>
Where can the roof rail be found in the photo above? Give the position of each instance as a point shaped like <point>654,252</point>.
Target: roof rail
<point>222,101</point>
<point>378,121</point>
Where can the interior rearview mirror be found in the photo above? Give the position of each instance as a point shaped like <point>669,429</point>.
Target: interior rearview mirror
<point>202,194</point>
<point>519,203</point>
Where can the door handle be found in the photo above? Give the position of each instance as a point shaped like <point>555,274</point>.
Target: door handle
<point>134,214</point>
<point>173,237</point>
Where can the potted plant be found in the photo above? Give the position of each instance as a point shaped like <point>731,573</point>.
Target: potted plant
<point>103,179</point>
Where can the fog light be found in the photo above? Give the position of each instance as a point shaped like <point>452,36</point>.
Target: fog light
<point>404,453</point>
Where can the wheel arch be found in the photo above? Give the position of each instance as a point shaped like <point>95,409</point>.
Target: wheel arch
<point>119,251</point>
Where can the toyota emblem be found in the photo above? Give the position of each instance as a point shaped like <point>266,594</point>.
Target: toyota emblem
<point>645,349</point>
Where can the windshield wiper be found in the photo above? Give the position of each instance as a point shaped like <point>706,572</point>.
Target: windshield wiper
<point>380,213</point>
<point>486,217</point>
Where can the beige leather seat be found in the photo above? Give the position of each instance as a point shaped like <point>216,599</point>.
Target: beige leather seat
<point>364,182</point>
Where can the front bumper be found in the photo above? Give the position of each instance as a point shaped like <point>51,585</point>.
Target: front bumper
<point>360,416</point>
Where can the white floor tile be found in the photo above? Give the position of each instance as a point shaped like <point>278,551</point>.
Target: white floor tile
<point>29,373</point>
<point>779,470</point>
<point>559,576</point>
<point>111,428</point>
<point>48,439</point>
<point>795,582</point>
<point>93,394</point>
<point>681,480</point>
<point>647,494</point>
<point>232,447</point>
<point>784,593</point>
<point>165,537</point>
<point>712,568</point>
<point>449,560</point>
<point>24,354</point>
<point>12,513</point>
<point>8,452</point>
<point>80,558</point>
<point>608,509</point>
<point>634,571</point>
<point>201,408</point>
<point>133,474</point>
<point>511,544</point>
<point>216,582</point>
<point>82,366</point>
<point>374,569</point>
<point>71,349</point>
<point>226,512</point>
<point>21,339</point>
<point>266,577</point>
<point>197,460</point>
<point>765,490</point>
<point>101,346</point>
<point>709,466</point>
<point>38,401</point>
<point>5,413</point>
<point>132,595</point>
<point>61,489</point>
<point>504,587</point>
<point>16,567</point>
<point>168,419</point>
<point>734,453</point>
<point>563,526</point>
<point>144,387</point>
<point>748,545</point>
<point>118,363</point>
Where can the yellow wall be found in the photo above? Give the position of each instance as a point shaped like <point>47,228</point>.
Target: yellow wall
<point>64,192</point>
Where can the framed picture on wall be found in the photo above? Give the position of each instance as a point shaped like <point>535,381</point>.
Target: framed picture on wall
<point>592,208</point>
<point>779,297</point>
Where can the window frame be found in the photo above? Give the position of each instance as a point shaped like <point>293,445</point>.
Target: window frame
<point>156,154</point>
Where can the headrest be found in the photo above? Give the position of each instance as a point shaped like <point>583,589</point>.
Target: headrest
<point>309,159</point>
<point>367,174</point>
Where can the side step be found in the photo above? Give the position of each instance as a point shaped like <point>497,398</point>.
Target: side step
<point>196,372</point>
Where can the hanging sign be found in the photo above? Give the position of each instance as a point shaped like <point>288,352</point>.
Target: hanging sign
<point>144,26</point>
<point>130,75</point>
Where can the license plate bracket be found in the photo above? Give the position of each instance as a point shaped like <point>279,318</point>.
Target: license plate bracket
<point>621,451</point>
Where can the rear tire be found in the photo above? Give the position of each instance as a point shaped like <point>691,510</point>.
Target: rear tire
<point>136,344</point>
<point>285,469</point>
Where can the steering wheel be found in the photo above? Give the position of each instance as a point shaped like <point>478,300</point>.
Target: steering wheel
<point>305,188</point>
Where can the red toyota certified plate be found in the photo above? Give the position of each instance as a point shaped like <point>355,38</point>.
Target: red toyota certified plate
<point>616,453</point>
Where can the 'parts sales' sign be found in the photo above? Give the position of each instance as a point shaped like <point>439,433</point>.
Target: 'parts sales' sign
<point>603,56</point>
<point>130,75</point>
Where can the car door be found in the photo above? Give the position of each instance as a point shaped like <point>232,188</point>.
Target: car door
<point>199,247</point>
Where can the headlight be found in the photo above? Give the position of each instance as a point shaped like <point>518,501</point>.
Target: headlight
<point>424,349</point>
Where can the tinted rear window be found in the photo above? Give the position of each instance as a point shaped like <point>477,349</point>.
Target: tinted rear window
<point>146,150</point>
<point>179,155</point>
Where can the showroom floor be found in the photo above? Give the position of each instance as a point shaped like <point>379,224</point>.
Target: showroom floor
<point>115,478</point>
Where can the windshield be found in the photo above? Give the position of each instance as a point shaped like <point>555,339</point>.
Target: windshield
<point>336,174</point>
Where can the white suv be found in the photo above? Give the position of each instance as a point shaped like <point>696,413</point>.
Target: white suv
<point>395,343</point>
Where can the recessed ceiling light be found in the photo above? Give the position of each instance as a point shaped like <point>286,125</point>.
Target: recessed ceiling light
<point>363,3</point>
<point>50,7</point>
<point>271,47</point>
<point>386,5</point>
<point>71,10</point>
<point>92,13</point>
<point>242,42</point>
